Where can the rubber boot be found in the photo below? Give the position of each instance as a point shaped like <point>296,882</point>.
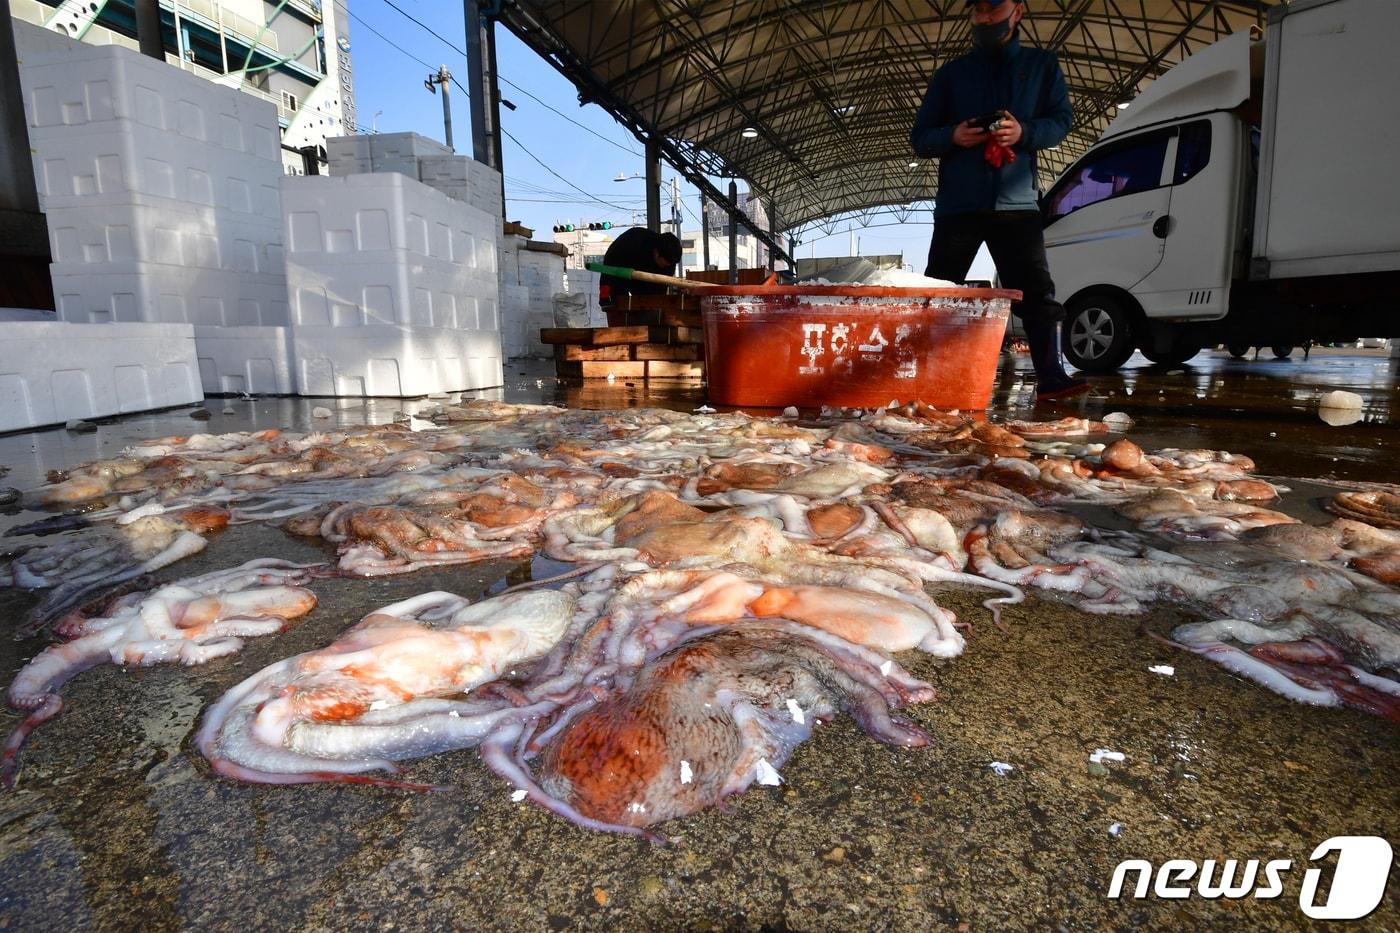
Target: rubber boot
<point>1051,380</point>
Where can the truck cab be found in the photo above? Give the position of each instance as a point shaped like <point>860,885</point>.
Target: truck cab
<point>1238,199</point>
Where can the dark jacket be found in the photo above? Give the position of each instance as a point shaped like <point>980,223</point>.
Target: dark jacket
<point>632,250</point>
<point>1026,82</point>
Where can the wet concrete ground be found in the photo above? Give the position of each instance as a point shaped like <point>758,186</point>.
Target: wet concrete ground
<point>116,824</point>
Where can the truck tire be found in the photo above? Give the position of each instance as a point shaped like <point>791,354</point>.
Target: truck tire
<point>1237,351</point>
<point>1097,335</point>
<point>1182,349</point>
<point>1282,351</point>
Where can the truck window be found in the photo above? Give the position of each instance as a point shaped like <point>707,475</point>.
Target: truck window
<point>1116,170</point>
<point>1192,151</point>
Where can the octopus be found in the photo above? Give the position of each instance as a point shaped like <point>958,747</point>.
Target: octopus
<point>189,622</point>
<point>77,566</point>
<point>393,686</point>
<point>1378,508</point>
<point>1302,667</point>
<point>706,720</point>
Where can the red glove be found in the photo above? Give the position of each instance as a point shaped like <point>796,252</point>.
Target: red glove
<point>997,155</point>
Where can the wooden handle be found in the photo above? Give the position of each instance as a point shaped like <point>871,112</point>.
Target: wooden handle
<point>622,272</point>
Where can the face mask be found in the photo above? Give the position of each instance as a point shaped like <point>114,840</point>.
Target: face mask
<point>990,35</point>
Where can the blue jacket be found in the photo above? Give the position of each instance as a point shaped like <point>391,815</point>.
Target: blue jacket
<point>1026,82</point>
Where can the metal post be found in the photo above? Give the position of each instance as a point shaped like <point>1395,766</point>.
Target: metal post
<point>705,230</point>
<point>773,230</point>
<point>653,159</point>
<point>493,114</point>
<point>734,233</point>
<point>17,190</point>
<point>476,83</point>
<point>676,205</point>
<point>444,78</point>
<point>148,29</point>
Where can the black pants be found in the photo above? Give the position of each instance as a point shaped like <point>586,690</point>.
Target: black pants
<point>1017,244</point>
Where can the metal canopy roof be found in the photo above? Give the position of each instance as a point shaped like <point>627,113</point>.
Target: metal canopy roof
<point>832,86</point>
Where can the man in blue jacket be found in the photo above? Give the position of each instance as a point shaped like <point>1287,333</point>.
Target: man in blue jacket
<point>984,116</point>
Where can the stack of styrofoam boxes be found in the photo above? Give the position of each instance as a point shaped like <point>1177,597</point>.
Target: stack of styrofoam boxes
<point>541,275</point>
<point>381,152</point>
<point>515,300</point>
<point>161,194</point>
<point>393,287</point>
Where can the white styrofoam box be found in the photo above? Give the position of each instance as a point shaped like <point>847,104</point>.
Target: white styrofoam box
<point>392,360</point>
<point>131,292</point>
<point>125,157</point>
<point>84,87</point>
<point>132,227</point>
<point>235,360</point>
<point>52,372</point>
<point>514,301</point>
<point>381,152</point>
<point>378,212</point>
<point>105,120</point>
<point>389,287</point>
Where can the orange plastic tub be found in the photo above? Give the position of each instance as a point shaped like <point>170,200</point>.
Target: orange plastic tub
<point>771,346</point>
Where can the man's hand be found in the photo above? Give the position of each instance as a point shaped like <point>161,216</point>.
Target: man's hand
<point>967,135</point>
<point>1008,132</point>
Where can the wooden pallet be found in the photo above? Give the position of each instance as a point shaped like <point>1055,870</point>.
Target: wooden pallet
<point>630,369</point>
<point>639,351</point>
<point>612,336</point>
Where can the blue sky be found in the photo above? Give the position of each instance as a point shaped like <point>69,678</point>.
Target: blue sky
<point>557,171</point>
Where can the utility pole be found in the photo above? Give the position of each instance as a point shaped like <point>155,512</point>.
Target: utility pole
<point>444,78</point>
<point>676,205</point>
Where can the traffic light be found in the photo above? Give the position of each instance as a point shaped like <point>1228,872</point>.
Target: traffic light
<point>563,228</point>
<point>605,225</point>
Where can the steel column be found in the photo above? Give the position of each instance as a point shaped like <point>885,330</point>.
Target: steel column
<point>148,29</point>
<point>705,231</point>
<point>733,232</point>
<point>477,94</point>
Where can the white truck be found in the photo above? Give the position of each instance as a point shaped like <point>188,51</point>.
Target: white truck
<point>1248,197</point>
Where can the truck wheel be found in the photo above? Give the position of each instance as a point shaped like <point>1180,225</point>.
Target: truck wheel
<point>1097,334</point>
<point>1237,351</point>
<point>1282,351</point>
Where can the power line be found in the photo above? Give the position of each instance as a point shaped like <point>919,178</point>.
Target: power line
<point>461,52</point>
<point>616,207</point>
<point>390,41</point>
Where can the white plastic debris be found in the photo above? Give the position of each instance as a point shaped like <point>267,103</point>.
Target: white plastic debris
<point>320,411</point>
<point>687,775</point>
<point>798,716</point>
<point>886,667</point>
<point>379,704</point>
<point>791,412</point>
<point>1118,421</point>
<point>517,795</point>
<point>768,776</point>
<point>1166,670</point>
<point>1001,768</point>
<point>1115,828</point>
<point>705,410</point>
<point>894,403</point>
<point>611,378</point>
<point>1101,755</point>
<point>1341,399</point>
